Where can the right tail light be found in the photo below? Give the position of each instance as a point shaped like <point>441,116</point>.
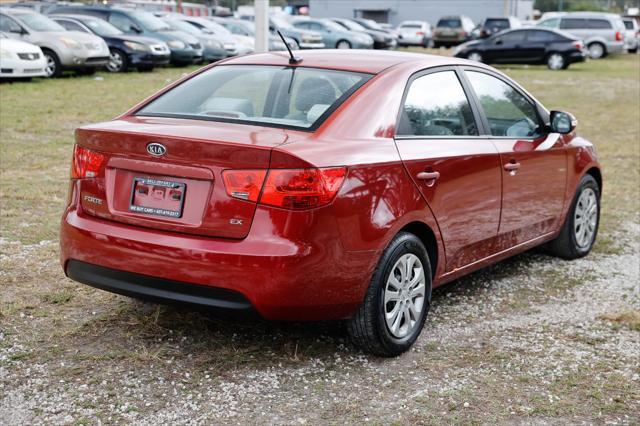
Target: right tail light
<point>294,189</point>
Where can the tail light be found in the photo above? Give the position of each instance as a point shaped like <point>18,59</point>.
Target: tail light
<point>420,33</point>
<point>86,163</point>
<point>618,36</point>
<point>578,45</point>
<point>463,33</point>
<point>244,184</point>
<point>295,189</point>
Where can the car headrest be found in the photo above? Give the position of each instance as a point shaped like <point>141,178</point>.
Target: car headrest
<point>228,104</point>
<point>316,111</point>
<point>313,91</point>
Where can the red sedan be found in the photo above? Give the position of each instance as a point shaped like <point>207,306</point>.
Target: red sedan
<point>345,185</point>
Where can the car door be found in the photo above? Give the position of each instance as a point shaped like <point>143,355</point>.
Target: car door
<point>535,46</point>
<point>456,170</point>
<point>506,47</point>
<point>534,163</point>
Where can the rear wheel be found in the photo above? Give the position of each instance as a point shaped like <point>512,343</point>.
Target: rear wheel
<point>118,61</point>
<point>397,301</point>
<point>634,50</point>
<point>597,50</point>
<point>343,44</point>
<point>580,227</point>
<point>53,67</point>
<point>475,56</point>
<point>556,61</point>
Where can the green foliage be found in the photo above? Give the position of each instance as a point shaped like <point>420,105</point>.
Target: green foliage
<point>615,6</point>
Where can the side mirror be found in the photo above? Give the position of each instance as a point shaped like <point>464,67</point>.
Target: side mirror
<point>498,42</point>
<point>17,30</point>
<point>135,28</point>
<point>206,31</point>
<point>563,122</point>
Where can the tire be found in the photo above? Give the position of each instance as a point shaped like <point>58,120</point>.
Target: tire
<point>634,50</point>
<point>53,67</point>
<point>556,61</point>
<point>597,50</point>
<point>343,44</point>
<point>569,244</point>
<point>475,56</point>
<point>118,61</point>
<point>369,328</point>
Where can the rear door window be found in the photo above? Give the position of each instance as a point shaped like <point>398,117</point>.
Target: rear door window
<point>573,24</point>
<point>509,113</point>
<point>542,36</point>
<point>436,105</point>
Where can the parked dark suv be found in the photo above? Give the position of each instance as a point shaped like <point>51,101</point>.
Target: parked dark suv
<point>185,49</point>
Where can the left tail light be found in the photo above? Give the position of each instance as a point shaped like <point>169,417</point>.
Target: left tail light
<point>294,189</point>
<point>618,36</point>
<point>86,163</point>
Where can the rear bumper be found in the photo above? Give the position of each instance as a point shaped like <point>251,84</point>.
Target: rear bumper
<point>156,289</point>
<point>580,56</point>
<point>290,273</point>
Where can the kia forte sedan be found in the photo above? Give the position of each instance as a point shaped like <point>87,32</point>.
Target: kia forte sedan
<point>332,186</point>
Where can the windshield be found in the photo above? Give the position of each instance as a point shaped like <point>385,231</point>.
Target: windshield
<point>332,25</point>
<point>39,22</point>
<point>413,26</point>
<point>281,23</point>
<point>184,26</point>
<point>449,23</point>
<point>102,28</point>
<point>149,22</point>
<point>372,25</point>
<point>496,24</point>
<point>217,28</point>
<point>353,26</point>
<point>250,94</point>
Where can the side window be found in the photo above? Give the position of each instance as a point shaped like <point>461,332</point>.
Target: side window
<point>599,24</point>
<point>303,25</point>
<point>71,26</point>
<point>121,22</point>
<point>550,23</point>
<point>316,27</point>
<point>573,24</point>
<point>8,25</point>
<point>541,36</point>
<point>509,113</point>
<point>512,37</point>
<point>436,106</point>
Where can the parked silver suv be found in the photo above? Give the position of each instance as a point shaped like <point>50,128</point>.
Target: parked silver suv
<point>602,33</point>
<point>63,49</point>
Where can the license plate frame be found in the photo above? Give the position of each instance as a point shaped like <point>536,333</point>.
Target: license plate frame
<point>158,211</point>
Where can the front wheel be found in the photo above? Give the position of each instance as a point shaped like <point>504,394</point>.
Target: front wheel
<point>343,44</point>
<point>556,61</point>
<point>53,67</point>
<point>397,301</point>
<point>117,61</point>
<point>580,228</point>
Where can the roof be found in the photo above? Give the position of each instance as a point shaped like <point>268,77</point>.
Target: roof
<point>367,61</point>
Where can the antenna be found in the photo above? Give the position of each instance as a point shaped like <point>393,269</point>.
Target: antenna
<point>292,59</point>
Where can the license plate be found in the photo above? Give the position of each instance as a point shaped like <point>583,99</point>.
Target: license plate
<point>157,197</point>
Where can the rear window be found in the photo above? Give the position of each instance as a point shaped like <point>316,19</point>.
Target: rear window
<point>449,23</point>
<point>273,96</point>
<point>499,24</point>
<point>628,25</point>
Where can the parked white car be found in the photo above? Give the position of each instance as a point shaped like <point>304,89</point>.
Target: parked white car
<point>19,59</point>
<point>414,33</point>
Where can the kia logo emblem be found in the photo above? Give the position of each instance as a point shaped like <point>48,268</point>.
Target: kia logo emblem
<point>156,149</point>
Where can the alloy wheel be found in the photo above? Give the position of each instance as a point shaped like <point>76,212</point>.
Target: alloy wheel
<point>585,219</point>
<point>475,56</point>
<point>344,45</point>
<point>116,62</point>
<point>555,61</point>
<point>404,296</point>
<point>50,68</point>
<point>596,51</point>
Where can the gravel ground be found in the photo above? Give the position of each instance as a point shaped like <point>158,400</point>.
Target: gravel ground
<point>533,339</point>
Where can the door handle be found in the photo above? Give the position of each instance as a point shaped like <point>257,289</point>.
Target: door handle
<point>512,167</point>
<point>428,175</point>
